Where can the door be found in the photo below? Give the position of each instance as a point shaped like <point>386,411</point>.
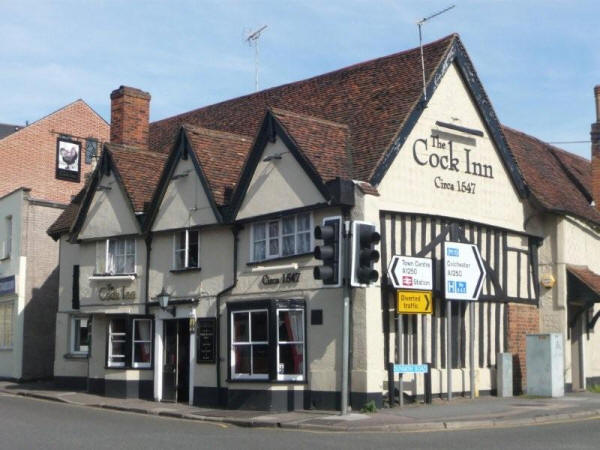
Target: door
<point>576,332</point>
<point>176,360</point>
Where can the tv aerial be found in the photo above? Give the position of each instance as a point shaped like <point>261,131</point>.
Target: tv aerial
<point>420,24</point>
<point>252,39</point>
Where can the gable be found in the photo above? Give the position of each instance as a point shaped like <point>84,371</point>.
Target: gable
<point>109,212</point>
<point>450,163</point>
<point>279,184</point>
<point>185,202</point>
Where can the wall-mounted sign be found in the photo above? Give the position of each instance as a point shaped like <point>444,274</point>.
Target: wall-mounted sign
<point>464,271</point>
<point>453,158</point>
<point>7,285</point>
<point>410,368</point>
<point>68,159</point>
<point>206,340</point>
<point>286,278</point>
<point>414,302</point>
<point>407,272</point>
<point>112,293</point>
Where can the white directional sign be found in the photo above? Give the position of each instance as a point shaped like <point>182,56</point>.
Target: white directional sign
<point>464,271</point>
<point>407,272</point>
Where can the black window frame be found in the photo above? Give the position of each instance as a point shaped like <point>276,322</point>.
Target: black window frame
<point>128,341</point>
<point>271,305</point>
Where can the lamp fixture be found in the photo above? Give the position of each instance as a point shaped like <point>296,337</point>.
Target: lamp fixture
<point>103,188</point>
<point>180,175</point>
<point>163,301</point>
<point>274,156</point>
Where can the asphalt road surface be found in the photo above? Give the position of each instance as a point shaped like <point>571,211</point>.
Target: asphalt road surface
<point>37,424</point>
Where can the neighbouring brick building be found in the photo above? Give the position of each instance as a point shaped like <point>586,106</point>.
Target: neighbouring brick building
<point>42,166</point>
<point>213,210</point>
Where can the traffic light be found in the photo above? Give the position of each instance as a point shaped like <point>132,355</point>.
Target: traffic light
<point>330,252</point>
<point>364,239</point>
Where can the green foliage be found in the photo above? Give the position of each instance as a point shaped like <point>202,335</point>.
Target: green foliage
<point>369,407</point>
<point>595,388</point>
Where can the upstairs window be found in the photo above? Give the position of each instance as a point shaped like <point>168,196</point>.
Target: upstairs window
<point>286,236</point>
<point>115,256</point>
<point>6,243</point>
<point>186,250</point>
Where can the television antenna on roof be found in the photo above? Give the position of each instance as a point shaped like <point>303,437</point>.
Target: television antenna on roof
<point>420,24</point>
<point>252,39</point>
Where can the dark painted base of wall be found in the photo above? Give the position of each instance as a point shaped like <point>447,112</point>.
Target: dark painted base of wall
<point>290,400</point>
<point>143,389</point>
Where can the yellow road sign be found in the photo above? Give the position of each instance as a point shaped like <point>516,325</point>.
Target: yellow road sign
<point>414,302</point>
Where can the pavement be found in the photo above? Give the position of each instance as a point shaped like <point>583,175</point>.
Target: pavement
<point>460,413</point>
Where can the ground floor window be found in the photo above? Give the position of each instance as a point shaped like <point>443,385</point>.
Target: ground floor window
<point>6,324</point>
<point>80,335</point>
<point>267,340</point>
<point>129,342</point>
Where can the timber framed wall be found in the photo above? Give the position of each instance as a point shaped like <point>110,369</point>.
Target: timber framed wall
<point>511,262</point>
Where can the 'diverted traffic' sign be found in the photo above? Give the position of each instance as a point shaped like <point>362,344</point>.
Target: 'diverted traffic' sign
<point>414,302</point>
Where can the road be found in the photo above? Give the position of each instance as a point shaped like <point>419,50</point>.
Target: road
<point>37,424</point>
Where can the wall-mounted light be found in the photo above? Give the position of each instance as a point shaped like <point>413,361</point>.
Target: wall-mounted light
<point>103,188</point>
<point>163,301</point>
<point>547,280</point>
<point>274,156</point>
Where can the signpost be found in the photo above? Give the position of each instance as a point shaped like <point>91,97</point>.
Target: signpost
<point>413,277</point>
<point>464,275</point>
<point>407,272</point>
<point>414,302</point>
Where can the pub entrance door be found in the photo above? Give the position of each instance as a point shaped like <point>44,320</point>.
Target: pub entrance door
<point>176,360</point>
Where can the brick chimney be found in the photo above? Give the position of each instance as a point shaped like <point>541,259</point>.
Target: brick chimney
<point>129,116</point>
<point>595,136</point>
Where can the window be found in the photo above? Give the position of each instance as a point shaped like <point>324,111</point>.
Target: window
<point>91,149</point>
<point>256,353</point>
<point>117,340</point>
<point>250,344</point>
<point>142,343</point>
<point>6,245</point>
<point>80,335</point>
<point>281,237</point>
<point>6,325</point>
<point>115,256</point>
<point>290,344</point>
<point>186,250</point>
<point>129,342</point>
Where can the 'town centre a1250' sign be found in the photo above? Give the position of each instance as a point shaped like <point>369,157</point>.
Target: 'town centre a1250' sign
<point>413,278</point>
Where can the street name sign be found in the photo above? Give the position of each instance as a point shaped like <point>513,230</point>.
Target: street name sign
<point>463,270</point>
<point>407,272</point>
<point>414,302</point>
<point>410,368</point>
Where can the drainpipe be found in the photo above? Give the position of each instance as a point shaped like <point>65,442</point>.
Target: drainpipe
<point>147,280</point>
<point>235,230</point>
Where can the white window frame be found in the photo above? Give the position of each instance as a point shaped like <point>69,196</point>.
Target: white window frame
<point>265,223</point>
<point>74,330</point>
<point>294,377</point>
<point>107,260</point>
<point>250,343</point>
<point>186,250</point>
<point>9,236</point>
<point>7,344</point>
<point>140,365</point>
<point>110,362</point>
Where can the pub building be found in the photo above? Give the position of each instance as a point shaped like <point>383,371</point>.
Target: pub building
<point>186,269</point>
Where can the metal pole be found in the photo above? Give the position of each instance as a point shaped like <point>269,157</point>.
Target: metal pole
<point>400,328</point>
<point>346,318</point>
<point>449,348</point>
<point>472,348</point>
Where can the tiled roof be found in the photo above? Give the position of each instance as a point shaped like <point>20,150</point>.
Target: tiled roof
<point>63,223</point>
<point>6,129</point>
<point>221,156</point>
<point>139,171</point>
<point>323,142</point>
<point>558,180</point>
<point>373,99</point>
<point>586,276</point>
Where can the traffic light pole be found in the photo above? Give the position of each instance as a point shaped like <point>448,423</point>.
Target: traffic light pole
<point>346,316</point>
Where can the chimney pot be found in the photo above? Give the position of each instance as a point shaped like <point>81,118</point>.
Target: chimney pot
<point>129,116</point>
<point>597,96</point>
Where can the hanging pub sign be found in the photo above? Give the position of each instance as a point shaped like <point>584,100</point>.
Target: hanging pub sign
<point>68,159</point>
<point>206,340</point>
